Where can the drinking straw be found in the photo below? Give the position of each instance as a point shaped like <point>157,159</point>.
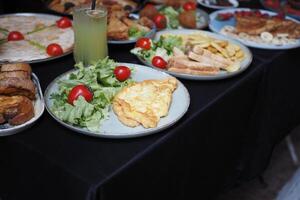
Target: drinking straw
<point>93,4</point>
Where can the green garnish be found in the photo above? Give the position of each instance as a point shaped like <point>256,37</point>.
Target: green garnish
<point>134,32</point>
<point>36,44</point>
<point>39,29</point>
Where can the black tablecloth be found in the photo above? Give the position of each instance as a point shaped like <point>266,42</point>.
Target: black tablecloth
<point>227,135</point>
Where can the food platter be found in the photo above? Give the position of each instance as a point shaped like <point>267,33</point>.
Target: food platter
<point>112,127</point>
<point>206,3</point>
<point>222,75</point>
<point>217,26</point>
<point>201,16</point>
<point>288,9</point>
<point>6,129</point>
<point>150,34</point>
<point>44,57</point>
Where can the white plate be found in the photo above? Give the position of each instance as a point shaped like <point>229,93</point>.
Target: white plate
<point>149,35</point>
<point>216,26</point>
<point>39,106</point>
<point>221,75</point>
<point>112,127</point>
<point>206,3</point>
<point>42,16</point>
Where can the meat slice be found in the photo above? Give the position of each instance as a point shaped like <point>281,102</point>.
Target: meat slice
<point>16,109</point>
<point>182,65</point>
<point>16,67</point>
<point>17,86</point>
<point>16,74</point>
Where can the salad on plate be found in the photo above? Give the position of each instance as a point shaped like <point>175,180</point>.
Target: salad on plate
<point>84,97</point>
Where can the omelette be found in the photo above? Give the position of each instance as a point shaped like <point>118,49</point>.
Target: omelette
<point>144,103</point>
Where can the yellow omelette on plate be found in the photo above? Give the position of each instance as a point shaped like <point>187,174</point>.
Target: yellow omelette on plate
<point>144,103</point>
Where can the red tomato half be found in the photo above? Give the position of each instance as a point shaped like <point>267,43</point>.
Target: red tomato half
<point>159,62</point>
<point>143,43</point>
<point>80,90</point>
<point>63,22</point>
<point>15,36</point>
<point>160,21</point>
<point>54,49</point>
<point>189,6</point>
<point>122,73</point>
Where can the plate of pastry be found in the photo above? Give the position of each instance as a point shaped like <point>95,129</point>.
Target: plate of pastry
<point>21,98</point>
<point>257,28</point>
<point>116,100</point>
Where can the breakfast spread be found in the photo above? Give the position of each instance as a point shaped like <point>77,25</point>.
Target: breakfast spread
<point>26,38</point>
<point>144,103</point>
<point>196,53</point>
<point>17,93</point>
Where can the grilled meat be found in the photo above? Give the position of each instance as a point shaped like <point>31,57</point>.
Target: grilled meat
<point>16,109</point>
<point>14,74</point>
<point>17,86</point>
<point>16,67</point>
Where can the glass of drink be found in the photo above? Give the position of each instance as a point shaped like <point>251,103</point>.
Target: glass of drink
<point>90,28</point>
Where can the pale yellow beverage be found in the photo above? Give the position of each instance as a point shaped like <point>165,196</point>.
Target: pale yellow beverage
<point>90,27</point>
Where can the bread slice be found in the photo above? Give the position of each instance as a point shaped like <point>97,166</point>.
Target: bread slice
<point>17,86</point>
<point>16,67</point>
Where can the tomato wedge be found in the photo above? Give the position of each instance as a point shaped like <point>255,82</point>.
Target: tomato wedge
<point>15,36</point>
<point>122,73</point>
<point>63,22</point>
<point>80,90</point>
<point>159,62</point>
<point>144,43</point>
<point>54,49</point>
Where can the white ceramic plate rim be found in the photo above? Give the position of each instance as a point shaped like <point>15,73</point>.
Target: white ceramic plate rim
<point>234,3</point>
<point>219,76</point>
<point>213,15</point>
<point>115,136</point>
<point>15,129</point>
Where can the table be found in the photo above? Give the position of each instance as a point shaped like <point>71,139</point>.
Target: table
<point>227,136</point>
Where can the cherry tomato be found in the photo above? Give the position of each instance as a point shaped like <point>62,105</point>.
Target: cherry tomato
<point>15,36</point>
<point>189,6</point>
<point>143,43</point>
<point>159,62</point>
<point>54,49</point>
<point>160,21</point>
<point>122,73</point>
<point>80,90</point>
<point>63,22</point>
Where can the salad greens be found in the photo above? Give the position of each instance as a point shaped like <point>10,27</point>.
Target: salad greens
<point>134,32</point>
<point>99,77</point>
<point>172,16</point>
<point>163,48</point>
